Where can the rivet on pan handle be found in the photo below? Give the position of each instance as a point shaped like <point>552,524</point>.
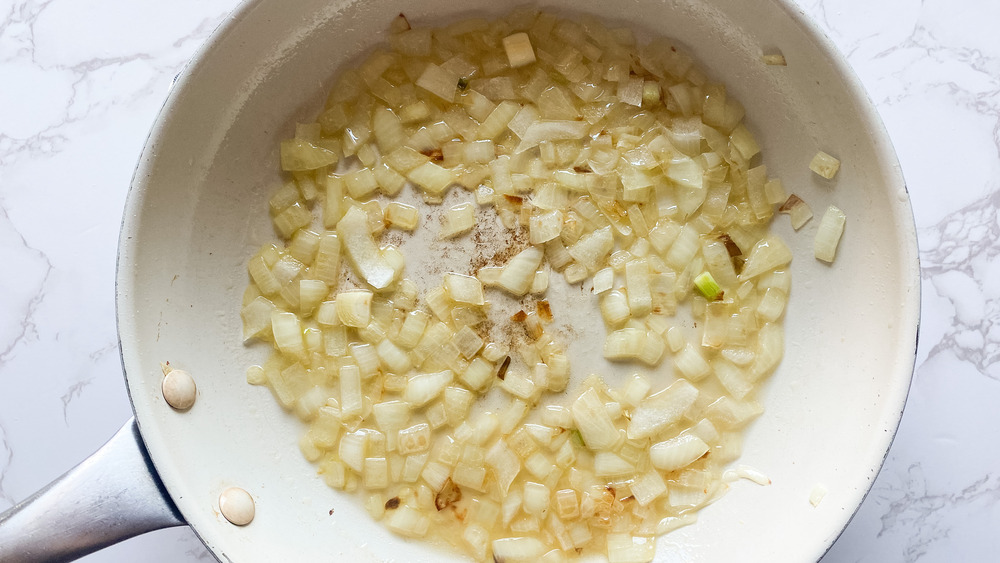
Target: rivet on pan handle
<point>111,496</point>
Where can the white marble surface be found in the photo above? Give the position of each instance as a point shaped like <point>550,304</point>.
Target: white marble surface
<point>80,84</point>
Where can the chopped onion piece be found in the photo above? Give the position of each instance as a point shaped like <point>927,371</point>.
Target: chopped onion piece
<point>431,177</point>
<point>662,409</point>
<point>518,48</point>
<point>357,239</point>
<point>517,275</point>
<point>468,342</point>
<point>797,210</point>
<point>824,165</point>
<point>817,494</point>
<point>769,351</point>
<point>391,416</point>
<point>311,294</point>
<point>354,307</point>
<point>630,91</point>
<point>287,332</point>
<point>407,521</point>
<point>414,439</point>
<point>614,308</point>
<point>539,283</point>
<point>327,263</point>
<point>546,226</point>
<point>719,264</point>
<point>496,123</point>
<point>575,273</point>
<point>299,154</point>
<point>768,254</point>
<point>438,81</point>
<point>625,343</point>
<point>684,248</point>
<point>256,317</point>
<point>518,549</point>
<point>401,215</point>
<point>608,464</point>
<point>535,498</point>
<point>746,472</point>
<point>551,131</point>
<point>732,377</point>
<point>831,228</point>
<point>604,280</point>
<point>676,453</point>
<point>772,304</point>
<point>774,191</point>
<point>596,427</point>
<point>637,288</point>
<point>625,548</point>
<point>360,183</point>
<point>293,218</point>
<point>527,115</point>
<point>744,142</point>
<point>350,391</point>
<point>464,289</point>
<point>458,219</point>
<point>691,363</point>
<point>647,487</point>
<point>592,248</point>
<point>425,387</point>
<point>774,59</point>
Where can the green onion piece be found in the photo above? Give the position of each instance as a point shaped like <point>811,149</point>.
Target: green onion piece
<point>707,286</point>
<point>577,438</point>
<point>463,83</point>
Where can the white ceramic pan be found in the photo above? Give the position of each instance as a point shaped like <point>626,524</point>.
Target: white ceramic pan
<point>197,210</point>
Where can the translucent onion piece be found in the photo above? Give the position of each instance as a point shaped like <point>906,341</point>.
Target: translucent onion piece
<point>517,275</point>
<point>831,228</point>
<point>676,453</point>
<point>824,165</point>
<point>356,237</point>
<point>768,254</point>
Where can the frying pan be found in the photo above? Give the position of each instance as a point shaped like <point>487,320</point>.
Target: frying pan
<point>197,210</point>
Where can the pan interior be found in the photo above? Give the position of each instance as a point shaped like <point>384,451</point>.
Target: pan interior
<point>197,211</point>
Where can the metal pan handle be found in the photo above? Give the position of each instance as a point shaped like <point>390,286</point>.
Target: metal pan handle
<point>111,496</point>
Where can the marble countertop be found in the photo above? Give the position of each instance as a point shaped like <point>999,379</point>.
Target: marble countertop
<point>81,82</point>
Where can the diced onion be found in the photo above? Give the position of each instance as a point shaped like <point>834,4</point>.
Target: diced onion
<point>676,453</point>
<point>824,165</point>
<point>423,388</point>
<point>773,59</point>
<point>299,154</point>
<point>627,171</point>
<point>439,82</point>
<point>596,427</point>
<point>516,550</point>
<point>817,494</point>
<point>624,548</point>
<point>517,275</point>
<point>662,409</point>
<point>831,228</point>
<point>552,130</point>
<point>354,307</point>
<point>518,48</point>
<point>401,215</point>
<point>458,219</point>
<point>798,211</point>
<point>768,254</point>
<point>360,246</point>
